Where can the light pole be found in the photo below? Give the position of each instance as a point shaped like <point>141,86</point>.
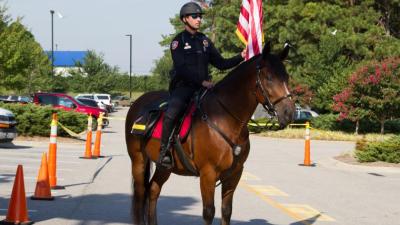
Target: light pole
<point>52,43</point>
<point>130,64</point>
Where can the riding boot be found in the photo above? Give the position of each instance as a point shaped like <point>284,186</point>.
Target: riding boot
<point>165,157</point>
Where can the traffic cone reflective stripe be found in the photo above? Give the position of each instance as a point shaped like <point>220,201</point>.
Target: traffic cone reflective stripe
<point>88,148</point>
<point>307,160</point>
<point>17,209</point>
<point>42,190</point>
<point>52,161</point>
<point>96,151</point>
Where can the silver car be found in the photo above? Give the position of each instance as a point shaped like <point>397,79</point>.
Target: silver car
<point>8,124</point>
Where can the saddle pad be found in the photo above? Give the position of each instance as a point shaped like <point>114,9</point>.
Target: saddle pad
<point>184,129</point>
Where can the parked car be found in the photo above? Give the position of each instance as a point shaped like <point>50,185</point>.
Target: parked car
<point>8,130</point>
<point>68,103</point>
<point>15,99</point>
<point>88,102</point>
<point>106,99</point>
<point>121,101</point>
<point>304,115</point>
<point>102,102</point>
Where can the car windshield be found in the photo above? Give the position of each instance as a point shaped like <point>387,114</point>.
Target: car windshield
<point>102,97</point>
<point>86,96</point>
<point>87,102</point>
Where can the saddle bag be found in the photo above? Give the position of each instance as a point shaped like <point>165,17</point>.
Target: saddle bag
<point>145,123</point>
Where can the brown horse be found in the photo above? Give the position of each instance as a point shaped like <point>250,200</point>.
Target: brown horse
<point>221,121</point>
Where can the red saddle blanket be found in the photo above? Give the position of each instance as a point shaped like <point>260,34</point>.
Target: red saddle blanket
<point>184,128</point>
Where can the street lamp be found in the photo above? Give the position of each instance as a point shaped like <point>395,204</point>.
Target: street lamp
<point>130,65</point>
<point>52,43</point>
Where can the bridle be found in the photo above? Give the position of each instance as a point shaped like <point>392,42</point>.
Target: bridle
<point>266,102</point>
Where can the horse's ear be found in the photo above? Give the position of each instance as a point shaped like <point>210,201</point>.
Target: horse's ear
<point>285,51</point>
<point>266,49</point>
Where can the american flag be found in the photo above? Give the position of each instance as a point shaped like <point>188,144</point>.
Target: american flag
<point>249,27</point>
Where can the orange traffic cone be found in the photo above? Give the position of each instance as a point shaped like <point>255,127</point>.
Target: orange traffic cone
<point>17,209</point>
<point>96,151</point>
<point>42,191</point>
<point>307,160</point>
<point>53,154</point>
<point>88,149</point>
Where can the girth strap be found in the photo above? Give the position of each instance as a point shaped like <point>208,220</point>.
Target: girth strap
<point>235,148</point>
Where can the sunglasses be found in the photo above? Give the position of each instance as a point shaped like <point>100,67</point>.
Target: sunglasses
<point>195,16</point>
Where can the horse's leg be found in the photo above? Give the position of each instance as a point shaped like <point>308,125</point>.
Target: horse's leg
<point>159,178</point>
<point>139,188</point>
<point>228,188</point>
<point>207,186</point>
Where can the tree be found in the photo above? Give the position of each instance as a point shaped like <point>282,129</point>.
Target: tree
<point>24,67</point>
<point>94,75</point>
<point>329,38</point>
<point>373,91</point>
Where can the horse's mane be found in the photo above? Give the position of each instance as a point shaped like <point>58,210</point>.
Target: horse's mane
<point>275,64</point>
<point>236,71</point>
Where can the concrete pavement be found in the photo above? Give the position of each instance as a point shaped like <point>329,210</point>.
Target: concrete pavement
<point>274,190</point>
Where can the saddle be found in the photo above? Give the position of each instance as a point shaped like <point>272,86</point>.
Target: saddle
<point>150,122</point>
<point>149,125</point>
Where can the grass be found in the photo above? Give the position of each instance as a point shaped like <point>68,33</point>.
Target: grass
<point>295,133</point>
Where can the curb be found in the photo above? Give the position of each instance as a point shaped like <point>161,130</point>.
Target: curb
<point>336,164</point>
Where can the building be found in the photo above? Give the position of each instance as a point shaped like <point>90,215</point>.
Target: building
<point>66,61</point>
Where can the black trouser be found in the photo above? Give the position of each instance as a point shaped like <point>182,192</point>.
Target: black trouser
<point>177,104</point>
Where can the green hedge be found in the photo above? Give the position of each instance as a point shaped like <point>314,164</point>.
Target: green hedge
<point>330,122</point>
<point>35,120</point>
<point>386,151</point>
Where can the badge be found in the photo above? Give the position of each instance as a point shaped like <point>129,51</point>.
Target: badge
<point>187,46</point>
<point>205,43</point>
<point>174,45</point>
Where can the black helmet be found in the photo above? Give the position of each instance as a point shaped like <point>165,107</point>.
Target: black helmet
<point>190,8</point>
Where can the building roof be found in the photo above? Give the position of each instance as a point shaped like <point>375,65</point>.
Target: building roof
<point>67,58</point>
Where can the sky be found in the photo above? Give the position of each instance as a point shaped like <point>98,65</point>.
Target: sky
<point>101,25</point>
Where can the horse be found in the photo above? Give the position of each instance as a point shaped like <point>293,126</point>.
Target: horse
<point>221,120</point>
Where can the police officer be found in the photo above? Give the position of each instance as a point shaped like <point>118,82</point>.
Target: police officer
<point>191,53</point>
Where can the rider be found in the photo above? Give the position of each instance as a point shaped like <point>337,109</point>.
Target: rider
<point>191,53</point>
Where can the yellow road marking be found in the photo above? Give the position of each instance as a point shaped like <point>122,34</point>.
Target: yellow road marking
<point>248,176</point>
<point>295,214</point>
<point>268,190</point>
<point>307,211</point>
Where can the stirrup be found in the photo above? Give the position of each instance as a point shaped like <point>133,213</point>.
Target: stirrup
<point>165,162</point>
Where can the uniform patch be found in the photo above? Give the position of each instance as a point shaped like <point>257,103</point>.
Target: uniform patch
<point>174,45</point>
<point>205,43</point>
<point>187,46</point>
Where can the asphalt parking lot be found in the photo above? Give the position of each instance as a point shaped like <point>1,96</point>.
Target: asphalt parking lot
<point>274,189</point>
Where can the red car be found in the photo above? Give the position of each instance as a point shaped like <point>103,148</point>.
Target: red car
<point>68,103</point>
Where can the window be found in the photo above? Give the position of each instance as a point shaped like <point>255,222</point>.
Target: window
<point>102,97</point>
<point>47,100</point>
<point>305,115</point>
<point>66,102</point>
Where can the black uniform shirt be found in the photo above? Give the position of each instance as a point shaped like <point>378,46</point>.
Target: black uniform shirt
<point>191,55</point>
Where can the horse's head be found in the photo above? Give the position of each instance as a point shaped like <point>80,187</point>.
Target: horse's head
<point>272,86</point>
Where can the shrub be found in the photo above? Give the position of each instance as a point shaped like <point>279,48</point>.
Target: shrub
<point>386,151</point>
<point>331,122</point>
<point>35,120</point>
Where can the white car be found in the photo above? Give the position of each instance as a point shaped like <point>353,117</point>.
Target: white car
<point>102,104</point>
<point>106,99</point>
<point>8,124</point>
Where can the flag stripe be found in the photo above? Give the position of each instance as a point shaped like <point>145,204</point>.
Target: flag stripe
<point>249,27</point>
